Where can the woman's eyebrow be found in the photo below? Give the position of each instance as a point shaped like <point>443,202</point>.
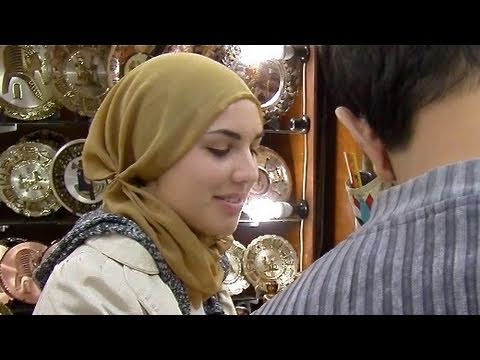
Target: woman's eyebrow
<point>232,134</point>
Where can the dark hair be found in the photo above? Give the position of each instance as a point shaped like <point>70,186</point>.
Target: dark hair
<point>389,84</point>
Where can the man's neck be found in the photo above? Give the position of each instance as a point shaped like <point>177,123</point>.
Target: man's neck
<point>445,132</point>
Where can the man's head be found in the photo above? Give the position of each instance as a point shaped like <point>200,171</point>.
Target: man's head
<point>384,89</point>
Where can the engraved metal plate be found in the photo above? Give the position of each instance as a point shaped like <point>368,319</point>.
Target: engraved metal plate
<point>79,76</point>
<point>25,80</point>
<point>45,136</point>
<point>235,280</point>
<point>24,179</point>
<point>124,58</point>
<point>273,82</point>
<point>4,298</point>
<point>16,269</point>
<point>270,258</point>
<point>224,54</point>
<point>5,244</point>
<point>274,178</point>
<point>77,194</point>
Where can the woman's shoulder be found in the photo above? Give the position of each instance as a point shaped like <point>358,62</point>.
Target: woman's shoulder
<point>113,271</point>
<point>123,250</point>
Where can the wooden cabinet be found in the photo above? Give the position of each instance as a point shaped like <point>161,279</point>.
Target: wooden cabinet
<point>335,220</point>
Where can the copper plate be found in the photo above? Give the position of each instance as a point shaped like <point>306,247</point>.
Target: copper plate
<point>235,280</point>
<point>274,178</point>
<point>26,93</point>
<point>270,258</point>
<point>273,82</point>
<point>16,268</point>
<point>24,179</point>
<point>124,58</point>
<point>77,194</point>
<point>4,298</point>
<point>5,244</point>
<point>224,54</point>
<point>79,75</point>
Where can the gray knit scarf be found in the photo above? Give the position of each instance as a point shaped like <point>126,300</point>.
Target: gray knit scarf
<point>98,223</point>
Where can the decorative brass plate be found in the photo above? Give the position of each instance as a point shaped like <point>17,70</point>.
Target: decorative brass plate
<point>77,194</point>
<point>24,179</point>
<point>79,76</point>
<point>270,258</point>
<point>274,177</point>
<point>26,93</point>
<point>124,58</point>
<point>274,83</point>
<point>45,136</point>
<point>235,280</point>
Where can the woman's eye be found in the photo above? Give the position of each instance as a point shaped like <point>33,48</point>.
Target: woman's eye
<point>218,152</point>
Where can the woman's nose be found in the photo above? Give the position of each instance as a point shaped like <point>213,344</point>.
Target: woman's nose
<point>246,170</point>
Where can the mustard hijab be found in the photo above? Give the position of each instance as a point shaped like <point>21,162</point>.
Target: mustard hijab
<point>147,122</point>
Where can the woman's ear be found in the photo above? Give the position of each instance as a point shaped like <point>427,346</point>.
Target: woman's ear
<point>370,143</point>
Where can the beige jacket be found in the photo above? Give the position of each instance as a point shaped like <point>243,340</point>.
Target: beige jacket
<point>111,275</point>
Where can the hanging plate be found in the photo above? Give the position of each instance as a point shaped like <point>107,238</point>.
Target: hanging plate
<point>273,82</point>
<point>76,194</point>
<point>25,83</point>
<point>45,136</point>
<point>235,280</point>
<point>270,258</point>
<point>24,179</point>
<point>16,269</point>
<point>79,76</point>
<point>274,178</point>
<point>124,58</point>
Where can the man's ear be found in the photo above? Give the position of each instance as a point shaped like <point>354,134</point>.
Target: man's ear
<point>370,143</point>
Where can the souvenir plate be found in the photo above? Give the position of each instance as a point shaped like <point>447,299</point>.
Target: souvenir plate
<point>5,244</point>
<point>77,194</point>
<point>274,179</point>
<point>4,298</point>
<point>274,83</point>
<point>270,258</point>
<point>225,54</point>
<point>16,268</point>
<point>235,280</point>
<point>26,93</point>
<point>24,179</point>
<point>48,137</point>
<point>124,58</point>
<point>79,76</point>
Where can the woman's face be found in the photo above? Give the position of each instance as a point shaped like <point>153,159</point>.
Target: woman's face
<point>208,186</point>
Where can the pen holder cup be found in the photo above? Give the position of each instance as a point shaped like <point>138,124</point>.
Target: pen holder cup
<point>361,199</point>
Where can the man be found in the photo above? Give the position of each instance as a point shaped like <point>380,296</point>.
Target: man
<point>415,111</point>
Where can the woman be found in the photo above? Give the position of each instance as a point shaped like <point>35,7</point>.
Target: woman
<point>177,136</point>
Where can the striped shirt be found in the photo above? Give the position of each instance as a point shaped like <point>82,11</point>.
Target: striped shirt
<point>418,254</point>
